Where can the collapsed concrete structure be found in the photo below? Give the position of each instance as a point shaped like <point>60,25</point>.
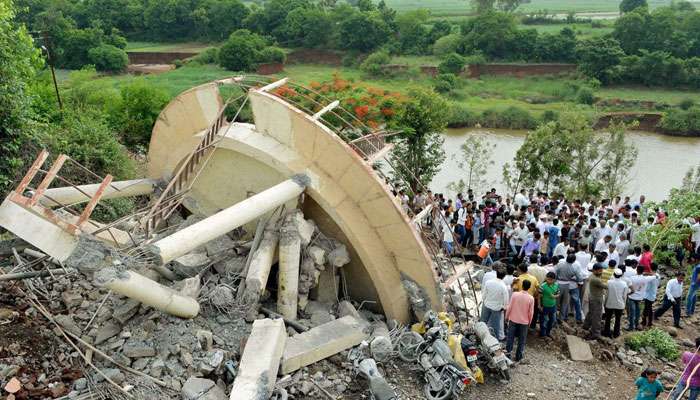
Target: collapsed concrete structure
<point>305,204</point>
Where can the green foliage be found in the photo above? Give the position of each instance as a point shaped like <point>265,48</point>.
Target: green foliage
<point>452,64</point>
<point>418,153</point>
<point>241,52</point>
<point>509,118</point>
<point>308,27</point>
<point>272,54</point>
<point>18,61</point>
<point>631,5</point>
<point>682,121</point>
<point>585,95</point>
<point>461,116</point>
<point>362,31</point>
<point>558,47</point>
<point>482,6</point>
<point>446,83</point>
<point>494,34</point>
<point>108,58</point>
<point>86,138</point>
<point>686,104</point>
<point>374,63</point>
<point>137,109</point>
<point>599,57</point>
<point>413,35</point>
<point>447,44</point>
<point>217,19</point>
<point>208,56</point>
<point>657,339</point>
<point>74,47</point>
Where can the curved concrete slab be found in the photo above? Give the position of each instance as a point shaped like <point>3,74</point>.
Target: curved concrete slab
<point>286,141</point>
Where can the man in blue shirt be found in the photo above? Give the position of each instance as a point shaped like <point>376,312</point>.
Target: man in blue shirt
<point>694,285</point>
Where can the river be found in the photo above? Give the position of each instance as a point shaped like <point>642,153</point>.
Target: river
<point>661,164</point>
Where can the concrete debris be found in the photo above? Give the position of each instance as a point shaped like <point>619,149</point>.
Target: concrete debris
<point>13,386</point>
<point>322,342</point>
<point>205,339</point>
<point>305,228</point>
<point>317,254</point>
<point>190,265</point>
<point>260,361</point>
<point>136,349</point>
<point>339,256</point>
<point>201,389</point>
<point>191,287</point>
<point>127,310</point>
<point>67,323</point>
<point>106,331</point>
<point>346,308</point>
<point>578,348</point>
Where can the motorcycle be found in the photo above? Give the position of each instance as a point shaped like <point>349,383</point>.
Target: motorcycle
<point>365,366</point>
<point>444,377</point>
<point>492,354</point>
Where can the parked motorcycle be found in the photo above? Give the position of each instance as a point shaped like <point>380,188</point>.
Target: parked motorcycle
<point>444,377</point>
<point>365,366</point>
<point>491,352</point>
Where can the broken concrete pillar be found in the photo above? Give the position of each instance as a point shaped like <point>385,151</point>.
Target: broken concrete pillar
<point>71,195</point>
<point>260,264</point>
<point>199,233</point>
<point>288,278</point>
<point>322,342</point>
<point>257,372</point>
<point>328,285</point>
<point>140,288</point>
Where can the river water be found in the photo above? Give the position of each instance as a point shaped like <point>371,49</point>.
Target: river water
<point>661,164</point>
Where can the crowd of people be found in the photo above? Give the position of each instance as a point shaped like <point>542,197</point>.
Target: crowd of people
<point>551,259</point>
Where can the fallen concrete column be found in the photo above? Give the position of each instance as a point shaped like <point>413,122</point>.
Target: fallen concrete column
<point>260,264</point>
<point>288,278</point>
<point>322,342</point>
<point>71,195</point>
<point>197,234</point>
<point>257,372</point>
<point>147,291</point>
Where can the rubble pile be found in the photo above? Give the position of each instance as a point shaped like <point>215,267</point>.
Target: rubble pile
<point>195,358</point>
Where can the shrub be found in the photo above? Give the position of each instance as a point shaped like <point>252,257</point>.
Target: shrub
<point>136,111</point>
<point>178,63</point>
<point>241,51</point>
<point>452,64</point>
<point>375,62</point>
<point>445,83</point>
<point>511,118</point>
<point>208,56</point>
<point>585,95</point>
<point>460,116</point>
<point>549,115</point>
<point>657,339</point>
<point>682,121</point>
<point>108,58</point>
<point>686,104</point>
<point>447,44</point>
<point>272,54</point>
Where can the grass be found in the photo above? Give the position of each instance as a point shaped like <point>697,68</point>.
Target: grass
<point>185,47</point>
<point>672,97</point>
<point>583,30</point>
<point>416,61</point>
<point>457,8</point>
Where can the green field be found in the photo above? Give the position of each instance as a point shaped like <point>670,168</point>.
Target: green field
<point>455,8</point>
<point>582,30</point>
<point>185,47</point>
<point>536,94</point>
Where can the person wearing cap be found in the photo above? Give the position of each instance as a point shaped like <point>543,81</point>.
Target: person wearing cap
<point>597,290</point>
<point>615,303</point>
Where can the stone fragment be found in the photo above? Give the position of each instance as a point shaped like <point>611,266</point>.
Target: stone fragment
<point>114,374</point>
<point>219,245</point>
<point>339,256</point>
<point>157,368</point>
<point>190,265</point>
<point>317,254</point>
<point>125,311</point>
<point>13,386</point>
<point>80,383</point>
<point>205,338</point>
<point>578,348</point>
<point>138,349</point>
<point>304,227</point>
<point>71,298</point>
<point>107,330</point>
<point>68,324</point>
<point>191,287</point>
<point>346,308</point>
<point>194,388</point>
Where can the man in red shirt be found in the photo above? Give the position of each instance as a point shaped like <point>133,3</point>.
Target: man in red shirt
<point>519,314</point>
<point>646,259</point>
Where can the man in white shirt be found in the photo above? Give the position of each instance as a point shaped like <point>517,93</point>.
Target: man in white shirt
<point>561,248</point>
<point>622,246</point>
<point>638,284</point>
<point>695,238</point>
<point>519,236</point>
<point>521,199</point>
<point>615,303</point>
<point>583,257</point>
<point>603,244</point>
<point>672,298</point>
<point>495,299</point>
<point>613,254</point>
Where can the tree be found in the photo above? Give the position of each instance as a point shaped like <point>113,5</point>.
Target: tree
<point>617,164</point>
<point>482,6</point>
<point>308,27</point>
<point>108,58</point>
<point>452,64</point>
<point>541,160</point>
<point>217,19</point>
<point>556,47</point>
<point>512,178</point>
<point>168,19</point>
<point>136,111</point>
<point>413,35</point>
<point>418,153</point>
<point>241,51</point>
<point>18,62</point>
<point>598,58</point>
<point>362,31</point>
<point>375,62</point>
<point>447,44</point>
<point>476,159</point>
<point>631,5</point>
<point>492,33</point>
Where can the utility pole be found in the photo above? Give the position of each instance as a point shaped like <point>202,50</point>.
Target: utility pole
<point>47,48</point>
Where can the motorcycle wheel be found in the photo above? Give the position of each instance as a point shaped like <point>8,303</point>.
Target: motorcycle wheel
<point>444,393</point>
<point>408,345</point>
<point>505,373</point>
